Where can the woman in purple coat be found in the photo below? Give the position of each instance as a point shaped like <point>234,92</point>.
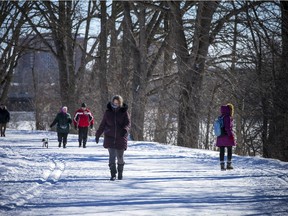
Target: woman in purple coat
<point>226,140</point>
<point>115,125</point>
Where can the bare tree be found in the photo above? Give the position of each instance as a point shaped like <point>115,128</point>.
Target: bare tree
<point>12,21</point>
<point>191,66</point>
<point>62,21</point>
<point>140,42</point>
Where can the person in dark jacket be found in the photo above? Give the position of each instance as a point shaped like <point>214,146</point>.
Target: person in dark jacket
<point>83,118</point>
<point>226,140</point>
<point>115,125</point>
<point>63,121</point>
<point>4,119</point>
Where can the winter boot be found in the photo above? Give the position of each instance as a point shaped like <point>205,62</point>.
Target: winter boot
<point>84,144</point>
<point>222,166</point>
<point>113,171</point>
<point>59,144</point>
<point>120,171</point>
<point>80,144</point>
<point>229,165</point>
<point>64,145</point>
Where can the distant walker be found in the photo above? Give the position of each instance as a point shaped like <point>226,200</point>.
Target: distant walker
<point>4,119</point>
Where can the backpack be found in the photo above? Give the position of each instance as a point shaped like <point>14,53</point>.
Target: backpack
<point>63,121</point>
<point>219,126</point>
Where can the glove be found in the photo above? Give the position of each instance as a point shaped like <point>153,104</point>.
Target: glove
<point>50,126</point>
<point>97,140</point>
<point>75,127</point>
<point>91,126</point>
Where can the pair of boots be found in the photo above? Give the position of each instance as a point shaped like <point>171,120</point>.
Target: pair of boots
<point>113,171</point>
<point>229,166</point>
<point>80,144</point>
<point>2,134</point>
<point>64,145</point>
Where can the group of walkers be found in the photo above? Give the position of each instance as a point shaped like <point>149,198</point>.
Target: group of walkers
<point>83,119</point>
<point>115,125</point>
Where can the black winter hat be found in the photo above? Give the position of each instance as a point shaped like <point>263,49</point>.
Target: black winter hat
<point>83,105</point>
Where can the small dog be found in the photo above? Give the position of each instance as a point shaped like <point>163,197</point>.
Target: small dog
<point>45,142</point>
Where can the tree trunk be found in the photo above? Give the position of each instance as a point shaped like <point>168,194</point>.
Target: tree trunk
<point>191,70</point>
<point>103,85</point>
<point>239,101</point>
<point>139,83</point>
<point>113,75</point>
<point>65,54</point>
<point>278,142</point>
<point>70,55</point>
<point>161,130</point>
<point>210,106</point>
<point>240,149</point>
<point>126,53</point>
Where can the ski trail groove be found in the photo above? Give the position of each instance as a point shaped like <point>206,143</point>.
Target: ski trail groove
<point>55,175</point>
<point>50,176</point>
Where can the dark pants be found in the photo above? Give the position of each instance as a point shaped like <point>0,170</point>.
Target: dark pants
<point>113,153</point>
<point>3,128</point>
<point>229,153</point>
<point>82,134</point>
<point>62,137</point>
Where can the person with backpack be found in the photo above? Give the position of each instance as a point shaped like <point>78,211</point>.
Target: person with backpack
<point>63,121</point>
<point>115,125</point>
<point>83,118</point>
<point>225,137</point>
<point>4,119</point>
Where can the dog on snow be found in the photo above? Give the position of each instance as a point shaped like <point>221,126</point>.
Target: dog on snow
<point>45,142</point>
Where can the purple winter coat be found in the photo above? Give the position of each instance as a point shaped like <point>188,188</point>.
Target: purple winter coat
<point>227,139</point>
<point>115,125</point>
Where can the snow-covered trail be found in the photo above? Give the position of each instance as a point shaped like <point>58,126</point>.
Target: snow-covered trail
<point>158,180</point>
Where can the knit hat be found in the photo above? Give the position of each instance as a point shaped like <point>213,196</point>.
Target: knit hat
<point>83,105</point>
<point>64,109</point>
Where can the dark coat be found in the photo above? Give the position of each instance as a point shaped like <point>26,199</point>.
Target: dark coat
<point>115,125</point>
<point>4,116</point>
<point>227,139</point>
<point>63,121</point>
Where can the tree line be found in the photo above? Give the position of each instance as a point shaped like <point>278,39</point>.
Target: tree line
<point>174,62</point>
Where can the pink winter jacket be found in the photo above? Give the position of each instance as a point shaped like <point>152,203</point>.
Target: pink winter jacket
<point>227,139</point>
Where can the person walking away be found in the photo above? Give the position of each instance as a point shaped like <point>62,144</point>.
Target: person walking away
<point>83,118</point>
<point>4,119</point>
<point>115,125</point>
<point>226,139</point>
<point>63,120</point>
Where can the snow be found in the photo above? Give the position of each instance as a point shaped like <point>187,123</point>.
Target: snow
<point>158,180</point>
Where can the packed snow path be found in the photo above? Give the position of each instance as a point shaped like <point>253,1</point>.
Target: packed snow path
<point>158,180</point>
